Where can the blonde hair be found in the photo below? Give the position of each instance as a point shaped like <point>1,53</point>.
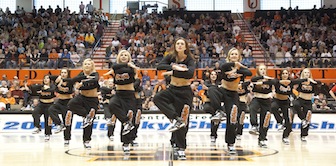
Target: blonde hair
<point>92,63</point>
<point>258,74</point>
<point>229,53</point>
<point>306,69</point>
<point>124,52</point>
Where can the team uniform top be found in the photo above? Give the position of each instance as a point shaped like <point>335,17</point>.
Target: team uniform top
<point>87,83</point>
<point>307,88</point>
<point>286,89</point>
<point>189,62</point>
<point>232,78</point>
<point>123,74</point>
<point>46,93</point>
<point>65,88</point>
<point>265,88</point>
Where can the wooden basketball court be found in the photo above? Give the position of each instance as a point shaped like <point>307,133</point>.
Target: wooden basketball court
<point>154,150</point>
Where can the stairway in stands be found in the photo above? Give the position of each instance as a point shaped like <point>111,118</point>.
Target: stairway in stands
<point>257,51</point>
<point>99,53</point>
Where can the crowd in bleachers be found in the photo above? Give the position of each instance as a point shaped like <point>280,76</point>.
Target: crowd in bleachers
<point>149,37</point>
<point>298,38</point>
<point>57,38</point>
<point>48,38</point>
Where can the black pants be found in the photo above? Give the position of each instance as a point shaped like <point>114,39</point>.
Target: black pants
<point>171,102</point>
<point>60,107</point>
<point>138,104</point>
<point>302,106</point>
<point>120,104</point>
<point>265,106</point>
<point>214,127</point>
<point>42,108</point>
<point>215,96</point>
<point>230,99</point>
<point>108,115</point>
<point>82,105</point>
<point>241,116</point>
<point>284,109</point>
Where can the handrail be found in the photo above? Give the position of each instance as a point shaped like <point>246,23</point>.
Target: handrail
<point>96,45</point>
<point>266,54</point>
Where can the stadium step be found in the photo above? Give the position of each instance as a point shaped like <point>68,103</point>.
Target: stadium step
<point>257,51</point>
<point>99,53</point>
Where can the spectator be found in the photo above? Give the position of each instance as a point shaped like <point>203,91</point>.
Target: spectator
<point>108,52</point>
<point>247,57</point>
<point>43,58</point>
<point>65,59</point>
<point>52,59</point>
<point>4,88</point>
<point>145,77</point>
<point>11,59</point>
<point>89,40</point>
<point>17,93</point>
<point>81,8</point>
<point>74,57</point>
<point>89,8</point>
<point>115,42</point>
<point>34,59</point>
<point>22,59</point>
<point>2,59</point>
<point>8,100</point>
<point>325,58</point>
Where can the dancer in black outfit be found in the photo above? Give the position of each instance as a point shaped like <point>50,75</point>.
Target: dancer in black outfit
<point>231,72</point>
<point>46,93</point>
<point>65,93</point>
<point>243,90</point>
<point>211,86</point>
<point>175,102</point>
<point>86,103</point>
<point>283,89</point>
<point>303,105</point>
<point>262,100</point>
<point>107,92</point>
<point>122,104</point>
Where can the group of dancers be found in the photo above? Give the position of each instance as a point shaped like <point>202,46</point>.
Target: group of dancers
<point>224,100</point>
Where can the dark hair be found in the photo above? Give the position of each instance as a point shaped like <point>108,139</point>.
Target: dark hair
<point>280,74</point>
<point>187,51</point>
<point>68,71</point>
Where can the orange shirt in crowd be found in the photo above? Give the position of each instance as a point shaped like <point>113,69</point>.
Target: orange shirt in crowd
<point>80,37</point>
<point>22,58</point>
<point>140,35</point>
<point>277,17</point>
<point>53,56</point>
<point>10,100</point>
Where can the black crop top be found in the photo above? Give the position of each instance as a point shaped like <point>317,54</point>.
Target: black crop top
<point>286,89</point>
<point>228,67</point>
<point>88,83</point>
<point>65,88</point>
<point>189,62</point>
<point>265,88</point>
<point>307,88</point>
<point>46,93</point>
<point>123,74</point>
